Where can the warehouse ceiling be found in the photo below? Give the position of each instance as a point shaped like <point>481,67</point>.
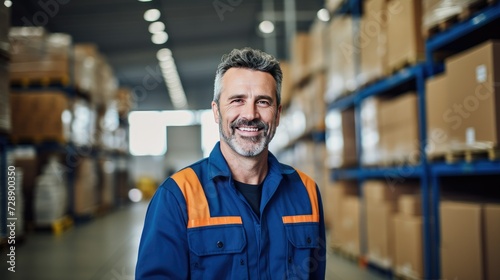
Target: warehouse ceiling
<point>200,32</point>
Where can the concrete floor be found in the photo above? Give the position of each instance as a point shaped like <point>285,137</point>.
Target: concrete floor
<point>106,248</point>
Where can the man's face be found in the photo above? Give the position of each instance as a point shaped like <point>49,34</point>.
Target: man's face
<point>248,113</point>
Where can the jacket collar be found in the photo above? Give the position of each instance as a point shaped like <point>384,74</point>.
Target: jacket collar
<point>218,166</point>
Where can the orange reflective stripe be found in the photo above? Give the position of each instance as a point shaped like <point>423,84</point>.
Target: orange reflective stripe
<point>313,197</point>
<point>196,201</point>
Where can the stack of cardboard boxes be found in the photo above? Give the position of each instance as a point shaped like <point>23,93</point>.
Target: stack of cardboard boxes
<point>408,238</point>
<point>398,129</point>
<point>341,139</point>
<point>389,37</point>
<point>40,116</point>
<point>381,205</point>
<point>389,130</point>
<point>44,59</point>
<point>462,103</point>
<point>470,248</point>
<point>39,56</point>
<point>340,57</point>
<point>342,216</point>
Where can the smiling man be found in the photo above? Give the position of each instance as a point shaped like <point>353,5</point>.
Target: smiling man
<point>238,214</point>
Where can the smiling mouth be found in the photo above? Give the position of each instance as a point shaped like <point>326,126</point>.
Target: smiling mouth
<point>248,129</point>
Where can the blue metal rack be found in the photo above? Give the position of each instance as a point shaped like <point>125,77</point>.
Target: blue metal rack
<point>408,79</point>
<point>482,25</point>
<point>459,169</point>
<point>351,7</point>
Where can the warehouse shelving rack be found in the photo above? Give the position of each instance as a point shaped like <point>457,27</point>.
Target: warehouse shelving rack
<point>482,26</point>
<point>69,150</point>
<point>408,79</point>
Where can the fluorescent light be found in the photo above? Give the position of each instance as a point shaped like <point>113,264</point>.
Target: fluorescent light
<point>145,0</point>
<point>164,54</point>
<point>159,38</point>
<point>156,27</point>
<point>323,15</point>
<point>266,27</point>
<point>152,15</point>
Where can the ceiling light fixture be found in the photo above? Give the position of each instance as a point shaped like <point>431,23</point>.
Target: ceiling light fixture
<point>152,15</point>
<point>145,0</point>
<point>323,15</point>
<point>156,27</point>
<point>266,27</point>
<point>164,54</point>
<point>159,38</point>
<point>7,3</point>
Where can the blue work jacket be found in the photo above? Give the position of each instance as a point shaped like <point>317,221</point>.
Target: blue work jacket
<point>198,226</point>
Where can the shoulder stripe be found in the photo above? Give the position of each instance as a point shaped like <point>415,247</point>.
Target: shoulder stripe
<point>313,197</point>
<point>196,201</point>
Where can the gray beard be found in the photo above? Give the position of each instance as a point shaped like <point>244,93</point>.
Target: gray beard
<point>261,142</point>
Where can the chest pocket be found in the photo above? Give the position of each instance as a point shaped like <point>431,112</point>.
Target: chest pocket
<point>303,239</point>
<point>218,252</point>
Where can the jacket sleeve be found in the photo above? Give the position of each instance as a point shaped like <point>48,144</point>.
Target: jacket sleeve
<point>163,249</point>
<point>319,255</point>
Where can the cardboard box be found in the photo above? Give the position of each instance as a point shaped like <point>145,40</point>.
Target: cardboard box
<point>461,240</point>
<point>492,241</point>
<point>341,139</point>
<point>40,116</point>
<point>85,190</point>
<point>317,56</point>
<point>410,205</point>
<point>408,251</point>
<point>399,138</point>
<point>404,37</point>
<point>379,231</point>
<point>349,226</point>
<point>373,41</point>
<point>301,45</point>
<point>335,194</point>
<point>370,131</point>
<point>473,78</point>
<point>377,191</point>
<point>286,83</point>
<point>341,60</point>
<point>437,103</point>
<point>437,11</point>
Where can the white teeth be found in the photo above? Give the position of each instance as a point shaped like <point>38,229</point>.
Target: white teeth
<point>248,129</point>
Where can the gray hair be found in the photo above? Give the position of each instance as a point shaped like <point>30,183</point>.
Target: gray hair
<point>250,59</point>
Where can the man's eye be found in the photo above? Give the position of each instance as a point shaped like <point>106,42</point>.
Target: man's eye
<point>237,101</point>
<point>263,102</point>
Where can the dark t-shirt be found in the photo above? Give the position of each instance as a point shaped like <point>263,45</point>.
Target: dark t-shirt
<point>252,194</point>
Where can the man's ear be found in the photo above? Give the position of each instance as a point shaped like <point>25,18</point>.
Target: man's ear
<point>215,111</point>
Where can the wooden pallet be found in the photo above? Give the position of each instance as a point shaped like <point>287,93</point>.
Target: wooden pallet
<point>467,12</point>
<point>400,276</point>
<point>401,161</point>
<point>57,226</point>
<point>41,81</point>
<point>467,154</point>
<point>472,154</point>
<point>408,61</point>
<point>38,139</point>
